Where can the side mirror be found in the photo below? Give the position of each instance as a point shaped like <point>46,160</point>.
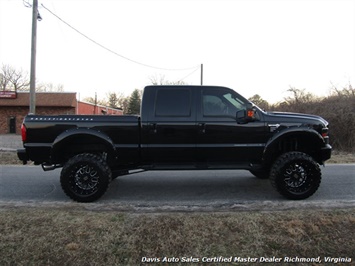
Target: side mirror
<point>245,116</point>
<point>241,114</point>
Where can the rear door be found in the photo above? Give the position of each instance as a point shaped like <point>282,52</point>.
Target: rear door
<point>171,127</point>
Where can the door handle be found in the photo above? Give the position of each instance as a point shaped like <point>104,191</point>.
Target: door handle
<point>202,127</point>
<point>153,127</point>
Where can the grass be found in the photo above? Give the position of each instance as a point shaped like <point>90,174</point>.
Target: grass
<point>70,236</point>
<point>7,157</point>
<point>341,157</point>
<point>62,236</point>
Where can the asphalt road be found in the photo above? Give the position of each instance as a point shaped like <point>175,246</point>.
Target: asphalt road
<point>177,190</point>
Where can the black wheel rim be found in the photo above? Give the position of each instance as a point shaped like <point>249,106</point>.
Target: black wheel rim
<point>298,177</point>
<point>84,180</point>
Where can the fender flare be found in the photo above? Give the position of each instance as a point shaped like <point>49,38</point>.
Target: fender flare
<point>70,135</point>
<point>308,134</point>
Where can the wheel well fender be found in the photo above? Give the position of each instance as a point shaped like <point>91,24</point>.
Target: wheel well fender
<point>80,140</point>
<point>306,140</point>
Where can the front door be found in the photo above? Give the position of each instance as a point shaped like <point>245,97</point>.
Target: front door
<point>221,140</point>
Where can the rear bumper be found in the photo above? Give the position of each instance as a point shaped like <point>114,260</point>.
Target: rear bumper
<point>22,155</point>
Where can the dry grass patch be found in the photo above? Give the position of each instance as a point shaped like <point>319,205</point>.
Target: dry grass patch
<point>70,237</point>
<point>7,157</point>
<point>341,157</point>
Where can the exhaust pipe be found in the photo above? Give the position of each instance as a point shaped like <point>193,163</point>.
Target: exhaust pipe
<point>50,167</point>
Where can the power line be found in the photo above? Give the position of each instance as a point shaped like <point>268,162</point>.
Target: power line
<point>113,52</point>
<point>197,68</point>
<point>26,3</point>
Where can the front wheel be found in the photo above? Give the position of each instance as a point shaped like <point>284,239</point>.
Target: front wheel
<point>295,175</point>
<point>85,177</point>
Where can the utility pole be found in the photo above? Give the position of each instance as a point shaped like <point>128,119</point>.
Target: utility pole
<point>201,74</point>
<point>95,107</point>
<point>33,57</point>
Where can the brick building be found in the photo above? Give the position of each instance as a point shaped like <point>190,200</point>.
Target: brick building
<point>15,106</point>
<point>85,108</point>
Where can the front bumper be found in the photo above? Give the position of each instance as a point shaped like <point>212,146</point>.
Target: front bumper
<point>326,152</point>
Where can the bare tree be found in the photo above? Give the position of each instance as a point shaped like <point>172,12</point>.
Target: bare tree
<point>155,80</point>
<point>299,96</point>
<point>346,92</point>
<point>338,109</point>
<point>123,104</point>
<point>118,100</point>
<point>13,79</point>
<point>256,99</point>
<point>92,100</point>
<point>49,87</point>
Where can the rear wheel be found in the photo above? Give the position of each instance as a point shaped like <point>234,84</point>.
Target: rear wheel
<point>85,177</point>
<point>295,175</point>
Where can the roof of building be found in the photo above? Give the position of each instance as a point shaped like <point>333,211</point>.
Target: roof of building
<point>43,99</point>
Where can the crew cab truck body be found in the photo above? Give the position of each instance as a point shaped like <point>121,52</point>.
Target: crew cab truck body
<point>180,127</point>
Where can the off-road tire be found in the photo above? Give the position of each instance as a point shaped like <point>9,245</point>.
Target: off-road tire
<point>85,177</point>
<point>295,175</point>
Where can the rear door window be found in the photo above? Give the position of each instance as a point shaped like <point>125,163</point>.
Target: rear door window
<point>173,103</point>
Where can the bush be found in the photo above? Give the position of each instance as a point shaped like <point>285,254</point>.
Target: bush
<point>338,109</point>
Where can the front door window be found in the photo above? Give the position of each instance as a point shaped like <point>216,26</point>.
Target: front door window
<point>220,103</point>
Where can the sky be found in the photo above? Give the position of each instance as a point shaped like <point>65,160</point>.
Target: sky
<point>254,47</point>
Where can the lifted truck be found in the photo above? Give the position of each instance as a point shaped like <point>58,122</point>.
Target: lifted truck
<point>180,127</point>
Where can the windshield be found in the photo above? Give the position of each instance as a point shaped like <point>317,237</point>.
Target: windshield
<point>237,103</point>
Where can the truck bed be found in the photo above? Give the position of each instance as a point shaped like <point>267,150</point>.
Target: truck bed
<point>46,131</point>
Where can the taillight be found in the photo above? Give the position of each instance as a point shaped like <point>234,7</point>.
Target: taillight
<point>325,135</point>
<point>324,132</point>
<point>23,132</point>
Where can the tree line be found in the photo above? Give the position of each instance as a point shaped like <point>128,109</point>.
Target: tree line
<point>131,104</point>
<point>13,79</point>
<point>338,108</point>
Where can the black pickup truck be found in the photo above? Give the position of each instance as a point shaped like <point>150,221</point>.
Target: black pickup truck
<point>180,127</point>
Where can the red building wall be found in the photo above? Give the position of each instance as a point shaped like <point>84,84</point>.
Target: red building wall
<point>84,108</point>
<point>14,109</point>
<point>15,115</point>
